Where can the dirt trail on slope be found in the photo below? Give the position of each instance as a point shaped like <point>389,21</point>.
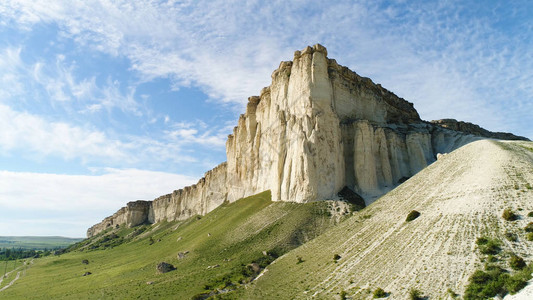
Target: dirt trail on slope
<point>12,281</point>
<point>16,277</point>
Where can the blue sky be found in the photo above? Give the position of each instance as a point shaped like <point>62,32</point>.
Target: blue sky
<point>104,102</point>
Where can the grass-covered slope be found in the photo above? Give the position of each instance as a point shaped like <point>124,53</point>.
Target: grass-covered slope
<point>460,198</point>
<point>221,249</point>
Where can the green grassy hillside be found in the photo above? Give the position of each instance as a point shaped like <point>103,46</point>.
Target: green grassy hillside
<point>226,248</point>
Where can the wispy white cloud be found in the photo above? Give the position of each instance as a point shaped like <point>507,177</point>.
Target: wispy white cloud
<point>75,200</point>
<point>450,56</point>
<point>10,77</point>
<point>22,130</point>
<point>37,137</point>
<point>62,85</point>
<point>23,80</point>
<point>197,133</point>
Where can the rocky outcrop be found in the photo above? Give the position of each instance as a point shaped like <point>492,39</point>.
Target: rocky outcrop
<point>476,130</point>
<point>164,267</point>
<point>317,129</point>
<point>198,199</point>
<point>133,214</point>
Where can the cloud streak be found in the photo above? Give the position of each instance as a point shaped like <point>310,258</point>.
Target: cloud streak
<point>33,200</point>
<point>452,56</point>
<point>35,136</point>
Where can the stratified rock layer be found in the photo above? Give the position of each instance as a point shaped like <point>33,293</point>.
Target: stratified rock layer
<point>318,128</point>
<point>476,130</point>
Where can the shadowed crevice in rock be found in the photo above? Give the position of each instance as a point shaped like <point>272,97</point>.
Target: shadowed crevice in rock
<point>352,197</point>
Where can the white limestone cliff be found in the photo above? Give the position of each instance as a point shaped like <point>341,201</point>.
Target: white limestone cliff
<point>319,127</point>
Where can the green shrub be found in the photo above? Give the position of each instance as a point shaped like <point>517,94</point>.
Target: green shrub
<point>200,296</point>
<point>484,285</point>
<point>482,240</point>
<point>299,260</point>
<point>138,231</point>
<point>343,295</point>
<point>516,262</point>
<point>529,227</point>
<point>379,293</point>
<point>452,294</point>
<point>495,281</point>
<point>509,215</point>
<point>530,214</point>
<point>519,280</point>
<point>511,236</point>
<point>488,246</point>
<point>415,294</point>
<point>412,215</point>
<point>492,258</point>
<point>513,284</point>
<point>336,257</point>
<point>530,236</point>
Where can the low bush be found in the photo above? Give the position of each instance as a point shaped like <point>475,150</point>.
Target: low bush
<point>529,227</point>
<point>452,294</point>
<point>412,215</point>
<point>509,215</point>
<point>492,258</point>
<point>482,240</point>
<point>415,294</point>
<point>511,237</point>
<point>484,285</point>
<point>336,257</point>
<point>516,262</point>
<point>343,295</point>
<point>495,281</point>
<point>379,293</point>
<point>530,214</point>
<point>530,236</point>
<point>138,231</point>
<point>488,246</point>
<point>107,242</point>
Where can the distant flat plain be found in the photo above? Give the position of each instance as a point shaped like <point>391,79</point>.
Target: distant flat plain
<point>36,242</point>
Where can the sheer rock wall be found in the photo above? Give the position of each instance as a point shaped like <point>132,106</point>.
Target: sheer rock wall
<point>317,128</point>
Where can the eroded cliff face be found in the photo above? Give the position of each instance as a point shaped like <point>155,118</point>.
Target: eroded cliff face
<point>198,199</point>
<point>318,128</point>
<point>289,140</point>
<point>133,214</point>
<point>294,138</point>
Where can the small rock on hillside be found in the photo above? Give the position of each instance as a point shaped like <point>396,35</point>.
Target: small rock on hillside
<point>164,267</point>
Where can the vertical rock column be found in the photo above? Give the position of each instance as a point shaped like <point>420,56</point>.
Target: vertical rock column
<point>314,164</point>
